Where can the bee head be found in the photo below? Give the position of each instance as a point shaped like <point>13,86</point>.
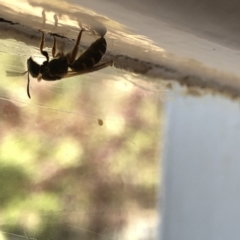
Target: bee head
<point>34,70</point>
<point>33,67</point>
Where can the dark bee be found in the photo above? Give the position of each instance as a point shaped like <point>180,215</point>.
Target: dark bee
<point>57,68</point>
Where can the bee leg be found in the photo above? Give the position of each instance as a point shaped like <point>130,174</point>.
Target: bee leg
<point>39,78</point>
<point>73,54</point>
<point>54,47</point>
<point>44,53</point>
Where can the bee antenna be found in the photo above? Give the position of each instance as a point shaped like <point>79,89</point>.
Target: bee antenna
<point>28,86</point>
<point>15,74</point>
<point>25,72</point>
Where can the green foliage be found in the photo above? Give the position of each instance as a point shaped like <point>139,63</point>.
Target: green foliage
<point>65,177</point>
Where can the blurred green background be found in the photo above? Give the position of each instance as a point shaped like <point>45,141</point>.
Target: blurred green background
<point>62,175</point>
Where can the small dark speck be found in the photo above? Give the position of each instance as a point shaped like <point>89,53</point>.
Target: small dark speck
<point>100,122</point>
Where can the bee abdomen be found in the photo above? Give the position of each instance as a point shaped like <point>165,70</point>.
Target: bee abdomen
<point>91,56</point>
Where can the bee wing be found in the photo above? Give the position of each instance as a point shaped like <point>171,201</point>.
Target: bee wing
<point>93,69</point>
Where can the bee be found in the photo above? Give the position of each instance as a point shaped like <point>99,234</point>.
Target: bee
<point>58,67</point>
